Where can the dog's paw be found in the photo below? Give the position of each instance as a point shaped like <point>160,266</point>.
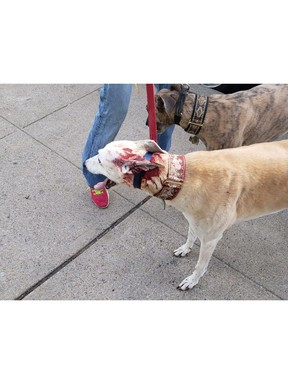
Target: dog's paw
<point>182,251</point>
<point>188,283</point>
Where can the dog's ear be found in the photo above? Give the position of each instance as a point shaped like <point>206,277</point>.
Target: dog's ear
<point>146,146</point>
<point>176,87</point>
<point>152,146</point>
<point>165,103</point>
<point>136,166</point>
<point>160,104</point>
<point>136,162</point>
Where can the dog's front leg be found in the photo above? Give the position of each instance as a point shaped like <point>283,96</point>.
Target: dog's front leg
<point>206,251</point>
<point>186,248</point>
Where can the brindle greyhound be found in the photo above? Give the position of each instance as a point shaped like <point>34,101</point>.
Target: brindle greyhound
<point>226,121</point>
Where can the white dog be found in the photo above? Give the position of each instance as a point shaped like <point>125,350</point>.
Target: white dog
<point>212,189</point>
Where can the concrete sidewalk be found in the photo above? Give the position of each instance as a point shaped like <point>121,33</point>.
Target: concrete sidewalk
<point>55,244</point>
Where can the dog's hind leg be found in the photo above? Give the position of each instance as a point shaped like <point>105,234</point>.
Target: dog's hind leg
<point>206,251</point>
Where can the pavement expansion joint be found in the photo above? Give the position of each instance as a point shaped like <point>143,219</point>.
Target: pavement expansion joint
<point>83,249</point>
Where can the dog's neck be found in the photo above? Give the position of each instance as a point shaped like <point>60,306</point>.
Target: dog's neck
<point>197,113</point>
<point>165,183</point>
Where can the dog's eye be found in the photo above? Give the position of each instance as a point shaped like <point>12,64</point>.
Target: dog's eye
<point>99,161</point>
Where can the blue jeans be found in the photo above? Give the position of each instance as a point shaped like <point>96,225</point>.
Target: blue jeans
<point>113,108</point>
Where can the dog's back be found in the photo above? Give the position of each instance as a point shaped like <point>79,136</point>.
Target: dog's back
<point>252,179</point>
<point>257,115</point>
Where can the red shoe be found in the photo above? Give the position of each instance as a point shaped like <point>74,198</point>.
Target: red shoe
<point>100,197</point>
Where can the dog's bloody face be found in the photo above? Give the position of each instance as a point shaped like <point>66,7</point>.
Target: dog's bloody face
<point>110,162</point>
<point>119,161</point>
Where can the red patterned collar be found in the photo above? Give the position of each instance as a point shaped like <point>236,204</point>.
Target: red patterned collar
<point>175,177</point>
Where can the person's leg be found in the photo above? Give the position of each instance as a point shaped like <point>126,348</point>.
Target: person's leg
<point>113,108</point>
<point>164,139</point>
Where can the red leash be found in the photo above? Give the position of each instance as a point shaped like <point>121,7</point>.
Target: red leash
<point>151,111</point>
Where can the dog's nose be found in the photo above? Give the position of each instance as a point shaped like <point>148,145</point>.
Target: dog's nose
<point>84,165</point>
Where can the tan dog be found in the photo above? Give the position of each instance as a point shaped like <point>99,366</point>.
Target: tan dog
<point>222,121</point>
<point>212,189</point>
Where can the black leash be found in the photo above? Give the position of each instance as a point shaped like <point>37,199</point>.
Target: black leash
<point>180,102</point>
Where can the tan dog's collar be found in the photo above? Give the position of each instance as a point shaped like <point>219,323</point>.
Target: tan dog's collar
<point>175,178</point>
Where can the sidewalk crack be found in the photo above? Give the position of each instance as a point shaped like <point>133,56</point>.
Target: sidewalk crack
<point>82,250</point>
